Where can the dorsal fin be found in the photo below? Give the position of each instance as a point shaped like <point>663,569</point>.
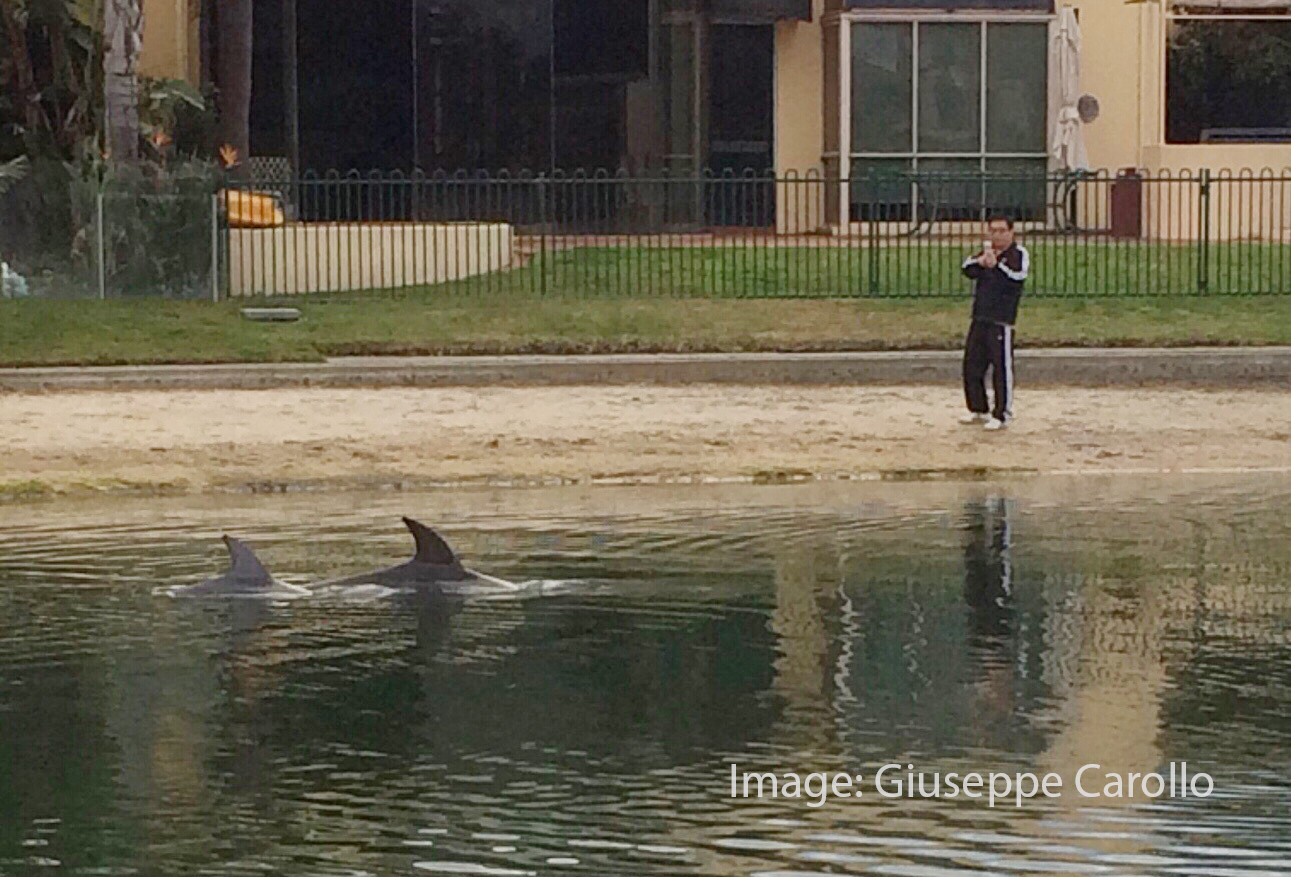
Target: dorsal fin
<point>431,548</point>
<point>245,566</point>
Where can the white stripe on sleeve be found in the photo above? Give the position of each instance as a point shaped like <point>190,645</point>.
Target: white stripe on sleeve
<point>1018,276</point>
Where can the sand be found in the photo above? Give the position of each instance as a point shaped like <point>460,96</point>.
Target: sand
<point>285,438</point>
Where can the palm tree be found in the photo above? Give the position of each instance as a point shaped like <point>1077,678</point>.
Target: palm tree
<point>123,35</point>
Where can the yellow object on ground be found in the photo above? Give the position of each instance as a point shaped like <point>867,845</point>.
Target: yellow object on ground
<point>252,210</point>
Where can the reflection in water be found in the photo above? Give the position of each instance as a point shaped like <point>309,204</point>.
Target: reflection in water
<point>988,594</point>
<point>988,572</point>
<point>434,613</point>
<point>951,627</point>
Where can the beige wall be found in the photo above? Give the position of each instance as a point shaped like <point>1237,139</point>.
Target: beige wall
<point>1250,192</point>
<point>1111,34</point>
<point>799,94</point>
<point>1124,48</point>
<point>1123,65</point>
<point>1253,156</point>
<point>799,118</point>
<point>357,256</point>
<point>170,40</point>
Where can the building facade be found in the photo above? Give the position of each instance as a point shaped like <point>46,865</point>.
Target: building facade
<point>794,86</point>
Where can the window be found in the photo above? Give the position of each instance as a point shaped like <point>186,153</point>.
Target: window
<point>1228,80</point>
<point>960,108</point>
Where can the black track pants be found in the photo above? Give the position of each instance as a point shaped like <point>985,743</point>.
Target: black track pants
<point>989,345</point>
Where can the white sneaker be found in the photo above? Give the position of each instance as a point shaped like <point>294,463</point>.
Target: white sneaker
<point>994,424</point>
<point>972,419</point>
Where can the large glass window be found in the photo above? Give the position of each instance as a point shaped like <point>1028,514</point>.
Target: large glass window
<point>950,88</point>
<point>1228,81</point>
<point>465,84</point>
<point>1016,92</point>
<point>954,107</point>
<point>882,85</point>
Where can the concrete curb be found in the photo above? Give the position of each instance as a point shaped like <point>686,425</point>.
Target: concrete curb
<point>1205,367</point>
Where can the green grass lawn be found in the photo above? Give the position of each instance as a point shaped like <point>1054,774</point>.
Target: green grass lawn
<point>896,268</point>
<point>70,332</point>
<point>663,297</point>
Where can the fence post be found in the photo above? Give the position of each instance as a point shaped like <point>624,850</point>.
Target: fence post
<point>873,246</point>
<point>544,206</point>
<point>215,247</point>
<point>98,213</point>
<point>1203,255</point>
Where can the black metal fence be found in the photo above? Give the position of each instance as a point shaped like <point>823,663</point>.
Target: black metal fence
<point>605,236</point>
<point>905,234</point>
<point>155,235</point>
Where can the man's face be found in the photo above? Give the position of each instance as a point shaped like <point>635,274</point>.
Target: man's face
<point>1000,234</point>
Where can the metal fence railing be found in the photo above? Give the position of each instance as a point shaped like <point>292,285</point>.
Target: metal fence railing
<point>71,238</point>
<point>603,235</point>
<point>904,234</point>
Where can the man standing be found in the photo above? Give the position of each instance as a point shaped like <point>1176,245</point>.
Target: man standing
<point>999,272</point>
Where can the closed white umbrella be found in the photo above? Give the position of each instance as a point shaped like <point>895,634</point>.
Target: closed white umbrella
<point>1068,139</point>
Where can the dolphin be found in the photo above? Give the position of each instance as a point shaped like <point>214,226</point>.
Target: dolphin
<point>434,567</point>
<point>245,577</point>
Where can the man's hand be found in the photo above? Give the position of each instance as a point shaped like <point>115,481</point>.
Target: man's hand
<point>988,259</point>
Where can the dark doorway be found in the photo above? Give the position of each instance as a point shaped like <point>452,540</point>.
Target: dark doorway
<point>741,123</point>
<point>354,63</point>
<point>601,52</point>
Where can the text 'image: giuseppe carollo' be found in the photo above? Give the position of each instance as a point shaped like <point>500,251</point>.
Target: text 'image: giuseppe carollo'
<point>898,781</point>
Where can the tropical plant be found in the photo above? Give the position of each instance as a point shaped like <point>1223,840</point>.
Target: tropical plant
<point>174,115</point>
<point>80,130</point>
<point>13,171</point>
<point>51,64</point>
<point>157,227</point>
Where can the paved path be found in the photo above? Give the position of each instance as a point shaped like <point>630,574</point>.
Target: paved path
<point>1194,367</point>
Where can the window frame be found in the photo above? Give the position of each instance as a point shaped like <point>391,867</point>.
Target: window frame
<point>982,154</point>
<point>839,156</point>
<point>1171,15</point>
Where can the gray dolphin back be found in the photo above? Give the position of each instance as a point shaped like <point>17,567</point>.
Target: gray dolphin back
<point>245,568</point>
<point>431,547</point>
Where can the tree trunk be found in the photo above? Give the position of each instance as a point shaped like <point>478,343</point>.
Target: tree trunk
<point>123,35</point>
<point>25,95</point>
<point>233,74</point>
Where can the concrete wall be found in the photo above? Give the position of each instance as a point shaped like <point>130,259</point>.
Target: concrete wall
<point>343,257</point>
<point>1250,191</point>
<point>1243,206</point>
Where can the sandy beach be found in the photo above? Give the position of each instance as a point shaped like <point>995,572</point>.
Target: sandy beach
<point>195,440</point>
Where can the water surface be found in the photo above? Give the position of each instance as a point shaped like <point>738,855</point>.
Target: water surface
<point>588,725</point>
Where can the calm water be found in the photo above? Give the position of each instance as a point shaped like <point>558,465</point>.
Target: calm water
<point>588,725</point>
